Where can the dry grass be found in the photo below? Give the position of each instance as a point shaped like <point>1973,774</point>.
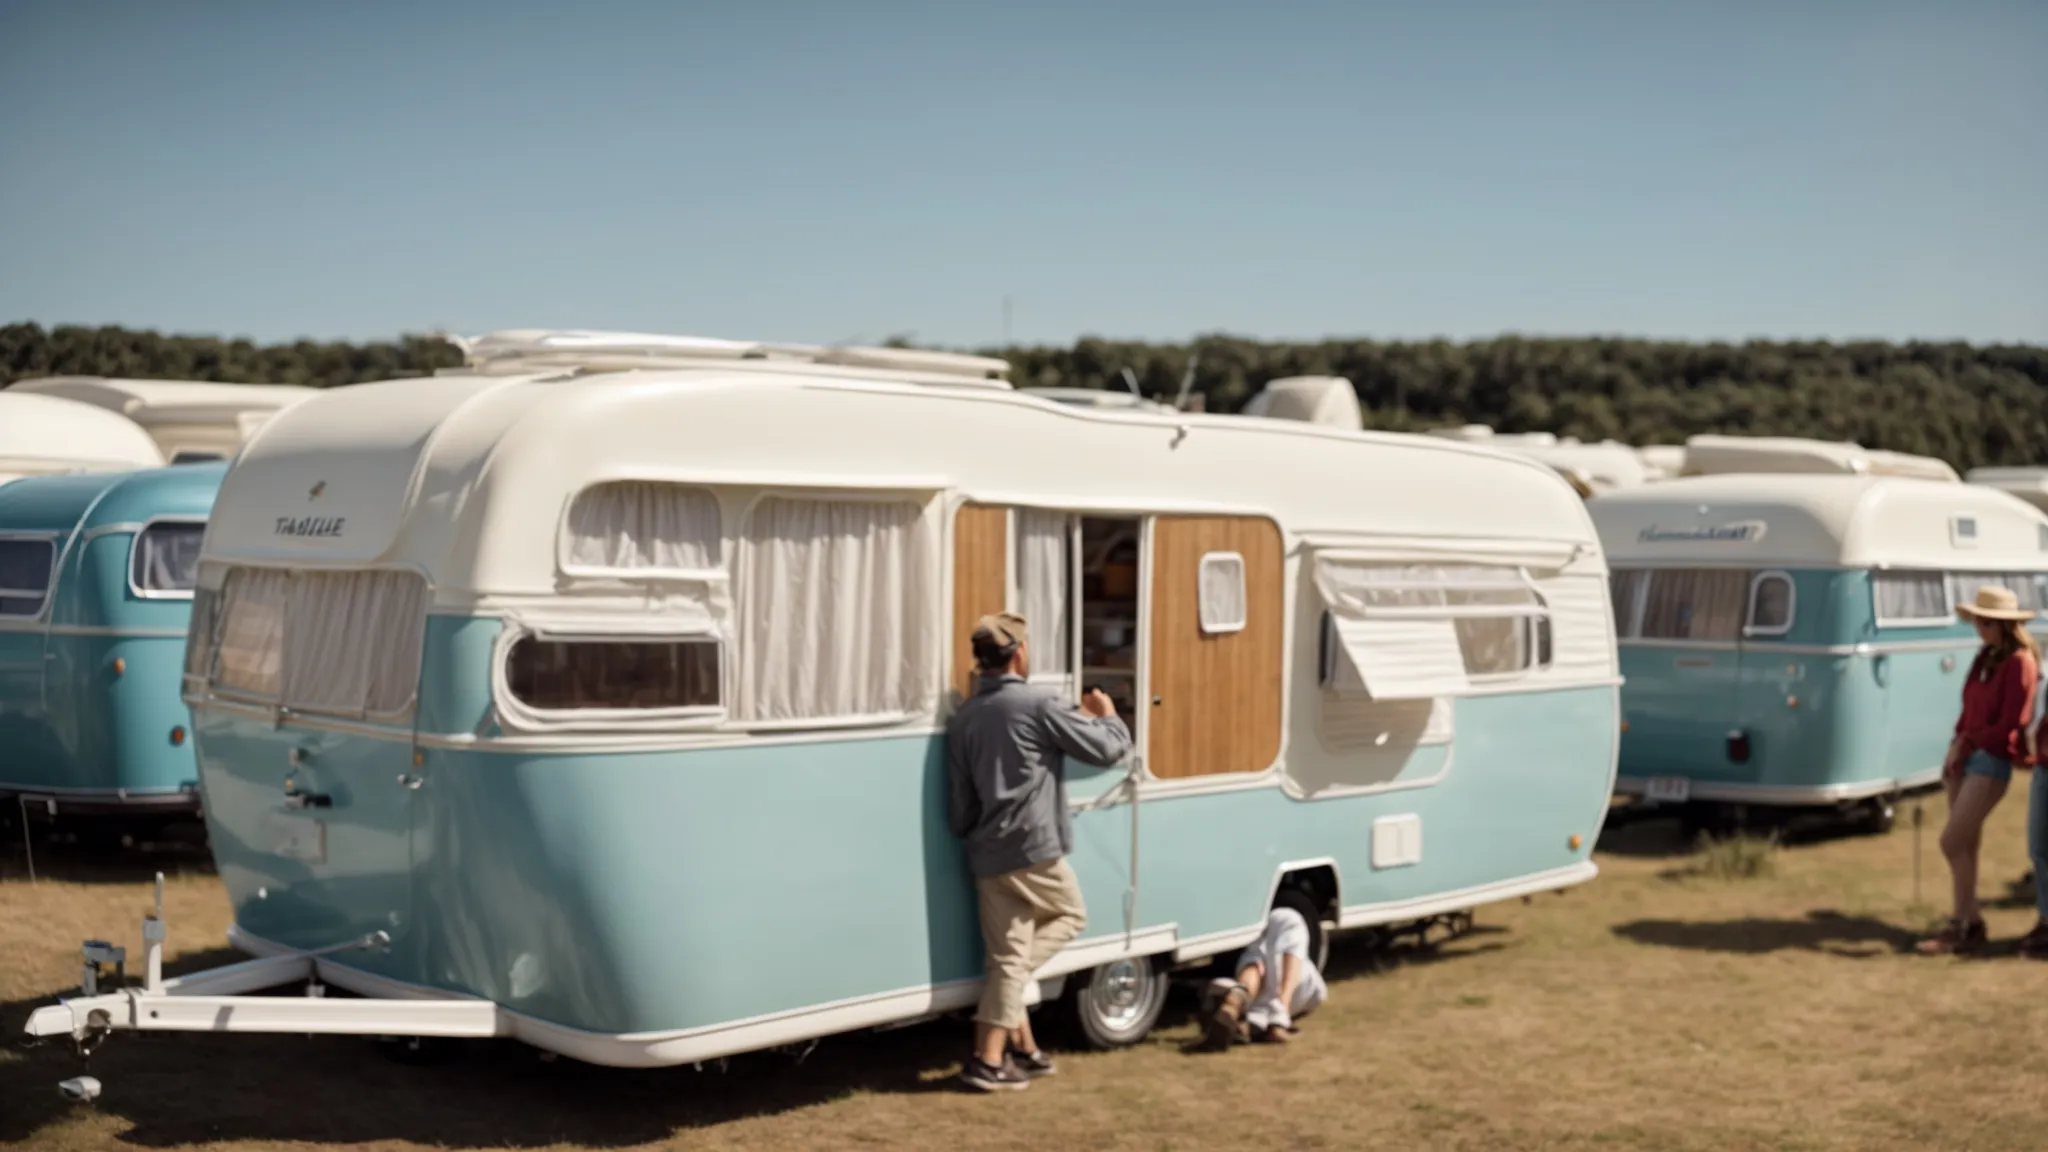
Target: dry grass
<point>1656,1008</point>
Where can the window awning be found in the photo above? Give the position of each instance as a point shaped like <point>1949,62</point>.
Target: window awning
<point>1398,659</point>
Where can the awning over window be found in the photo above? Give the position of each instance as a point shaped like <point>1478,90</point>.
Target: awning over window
<point>1398,659</point>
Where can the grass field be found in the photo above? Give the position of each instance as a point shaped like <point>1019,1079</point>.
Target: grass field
<point>1658,1007</point>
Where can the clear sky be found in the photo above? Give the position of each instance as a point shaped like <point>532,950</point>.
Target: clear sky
<point>848,170</point>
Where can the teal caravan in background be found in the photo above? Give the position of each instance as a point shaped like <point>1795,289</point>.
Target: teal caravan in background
<point>96,573</point>
<point>1790,640</point>
<point>595,696</point>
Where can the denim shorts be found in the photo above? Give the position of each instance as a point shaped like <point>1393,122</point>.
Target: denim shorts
<point>1984,764</point>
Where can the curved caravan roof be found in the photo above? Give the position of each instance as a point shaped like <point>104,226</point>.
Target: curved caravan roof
<point>1590,468</point>
<point>1327,400</point>
<point>1845,521</point>
<point>61,504</point>
<point>468,478</point>
<point>42,434</point>
<point>1097,398</point>
<point>183,416</point>
<point>2029,484</point>
<point>1708,455</point>
<point>1662,461</point>
<point>518,351</point>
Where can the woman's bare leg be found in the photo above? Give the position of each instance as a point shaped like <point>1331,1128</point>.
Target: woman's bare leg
<point>1974,798</point>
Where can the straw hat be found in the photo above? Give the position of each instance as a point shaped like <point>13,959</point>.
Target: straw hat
<point>1995,603</point>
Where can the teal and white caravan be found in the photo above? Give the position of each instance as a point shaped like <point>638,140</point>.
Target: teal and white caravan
<point>1791,640</point>
<point>96,576</point>
<point>595,696</point>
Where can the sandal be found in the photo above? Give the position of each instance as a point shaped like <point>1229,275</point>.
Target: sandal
<point>1223,1014</point>
<point>1955,939</point>
<point>2034,945</point>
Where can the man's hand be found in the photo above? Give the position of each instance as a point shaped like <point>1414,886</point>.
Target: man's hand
<point>1097,703</point>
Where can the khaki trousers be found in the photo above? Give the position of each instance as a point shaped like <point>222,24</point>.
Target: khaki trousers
<point>1026,917</point>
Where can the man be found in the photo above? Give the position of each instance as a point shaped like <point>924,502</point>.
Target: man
<point>1008,801</point>
<point>1276,982</point>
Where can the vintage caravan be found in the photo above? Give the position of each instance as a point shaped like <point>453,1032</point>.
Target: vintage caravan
<point>191,420</point>
<point>604,708</point>
<point>1661,461</point>
<point>1722,455</point>
<point>44,434</point>
<point>1792,640</point>
<point>1589,468</point>
<point>96,575</point>
<point>2029,484</point>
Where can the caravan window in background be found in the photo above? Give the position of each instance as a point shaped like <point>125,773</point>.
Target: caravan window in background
<point>1770,605</point>
<point>1706,604</point>
<point>835,600</point>
<point>640,674</point>
<point>26,567</point>
<point>1911,599</point>
<point>635,525</point>
<point>165,558</point>
<point>1962,588</point>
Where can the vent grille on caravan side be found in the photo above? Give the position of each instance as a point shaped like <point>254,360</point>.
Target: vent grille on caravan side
<point>524,351</point>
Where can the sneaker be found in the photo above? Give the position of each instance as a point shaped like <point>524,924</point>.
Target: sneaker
<point>1032,1064</point>
<point>1005,1077</point>
<point>2034,945</point>
<point>1955,939</point>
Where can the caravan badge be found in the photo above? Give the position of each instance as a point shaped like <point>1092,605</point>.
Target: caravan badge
<point>306,526</point>
<point>1739,532</point>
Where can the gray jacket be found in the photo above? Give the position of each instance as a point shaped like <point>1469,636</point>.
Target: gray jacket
<point>1006,773</point>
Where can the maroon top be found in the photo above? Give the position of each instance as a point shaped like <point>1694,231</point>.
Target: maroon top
<point>1998,705</point>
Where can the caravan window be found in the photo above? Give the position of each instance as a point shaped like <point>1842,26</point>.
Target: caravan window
<point>165,558</point>
<point>26,567</point>
<point>344,643</point>
<point>1221,595</point>
<point>1044,571</point>
<point>1695,604</point>
<point>834,602</point>
<point>650,674</point>
<point>1962,588</point>
<point>1911,599</point>
<point>1624,590</point>
<point>1421,631</point>
<point>638,525</point>
<point>1770,605</point>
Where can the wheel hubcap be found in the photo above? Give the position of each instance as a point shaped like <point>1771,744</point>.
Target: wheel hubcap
<point>1121,993</point>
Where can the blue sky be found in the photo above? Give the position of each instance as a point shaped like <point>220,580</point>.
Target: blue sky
<point>836,170</point>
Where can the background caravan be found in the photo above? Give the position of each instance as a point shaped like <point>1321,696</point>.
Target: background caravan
<point>1792,640</point>
<point>604,708</point>
<point>192,421</point>
<point>96,576</point>
<point>42,434</point>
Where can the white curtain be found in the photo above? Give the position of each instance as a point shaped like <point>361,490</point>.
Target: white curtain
<point>352,641</point>
<point>167,557</point>
<point>1222,595</point>
<point>1911,597</point>
<point>1963,587</point>
<point>833,603</point>
<point>640,524</point>
<point>1044,569</point>
<point>252,609</point>
<point>1623,587</point>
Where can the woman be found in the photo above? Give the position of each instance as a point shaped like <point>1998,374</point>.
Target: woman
<point>1991,736</point>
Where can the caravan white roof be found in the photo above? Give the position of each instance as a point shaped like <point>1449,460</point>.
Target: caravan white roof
<point>164,401</point>
<point>2029,484</point>
<point>1708,455</point>
<point>1847,521</point>
<point>40,434</point>
<point>468,478</point>
<point>1327,400</point>
<point>518,351</point>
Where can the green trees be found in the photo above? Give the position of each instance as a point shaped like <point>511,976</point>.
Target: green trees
<point>1968,405</point>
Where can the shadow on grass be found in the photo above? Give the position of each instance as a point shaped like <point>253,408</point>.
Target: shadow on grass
<point>87,852</point>
<point>2020,893</point>
<point>1850,937</point>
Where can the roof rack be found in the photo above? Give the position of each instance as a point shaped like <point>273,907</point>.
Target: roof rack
<point>525,350</point>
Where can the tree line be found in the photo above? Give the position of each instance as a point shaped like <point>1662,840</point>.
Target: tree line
<point>1967,404</point>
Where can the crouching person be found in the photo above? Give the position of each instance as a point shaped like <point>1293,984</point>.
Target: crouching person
<point>1276,985</point>
<point>1007,799</point>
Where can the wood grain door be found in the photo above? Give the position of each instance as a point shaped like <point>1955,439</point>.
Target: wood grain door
<point>981,580</point>
<point>1216,696</point>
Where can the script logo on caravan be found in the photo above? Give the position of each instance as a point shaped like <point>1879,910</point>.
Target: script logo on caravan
<point>1738,532</point>
<point>312,526</point>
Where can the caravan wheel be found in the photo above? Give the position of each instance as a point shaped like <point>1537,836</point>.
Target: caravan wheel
<point>1318,936</point>
<point>1879,815</point>
<point>1118,1003</point>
